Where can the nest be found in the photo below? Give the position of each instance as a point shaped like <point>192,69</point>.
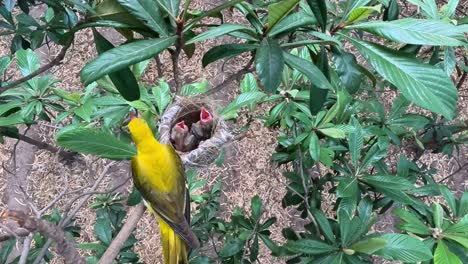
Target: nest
<point>188,109</point>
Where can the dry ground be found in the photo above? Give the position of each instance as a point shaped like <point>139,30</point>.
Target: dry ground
<point>246,173</point>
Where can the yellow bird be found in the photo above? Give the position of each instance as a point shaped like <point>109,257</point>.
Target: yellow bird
<point>158,173</point>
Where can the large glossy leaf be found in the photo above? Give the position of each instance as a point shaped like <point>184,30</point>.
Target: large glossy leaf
<point>4,63</point>
<point>308,69</point>
<point>369,246</point>
<point>172,6</point>
<point>124,80</point>
<point>424,85</point>
<point>362,13</point>
<point>122,57</point>
<point>309,246</point>
<point>28,61</point>
<point>269,63</point>
<point>443,255</point>
<point>111,10</point>
<point>319,8</point>
<point>242,100</point>
<point>92,141</point>
<point>219,31</point>
<point>227,50</point>
<point>356,140</point>
<point>147,11</point>
<point>293,21</point>
<point>416,31</point>
<point>404,248</point>
<point>348,70</point>
<point>211,12</point>
<point>388,182</point>
<point>279,10</point>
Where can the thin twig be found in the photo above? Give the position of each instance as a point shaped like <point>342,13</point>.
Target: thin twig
<point>65,247</point>
<point>114,248</point>
<point>43,145</point>
<point>158,66</point>
<point>56,61</point>
<point>68,215</point>
<point>26,247</point>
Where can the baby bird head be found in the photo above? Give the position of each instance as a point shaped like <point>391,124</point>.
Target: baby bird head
<point>139,130</point>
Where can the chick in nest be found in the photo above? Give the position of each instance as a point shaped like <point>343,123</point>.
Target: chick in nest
<point>182,139</point>
<point>203,128</point>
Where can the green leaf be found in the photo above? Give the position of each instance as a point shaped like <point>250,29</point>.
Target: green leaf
<point>227,50</point>
<point>92,141</point>
<point>28,61</point>
<point>134,197</point>
<point>195,88</point>
<point>211,12</point>
<point>269,63</point>
<point>231,247</point>
<point>416,31</point>
<point>429,7</point>
<point>333,132</point>
<point>219,31</point>
<point>348,70</point>
<point>279,10</point>
<point>448,196</point>
<point>424,85</point>
<point>147,11</point>
<point>356,139</point>
<point>443,255</point>
<point>7,247</point>
<point>256,207</point>
<point>362,13</point>
<point>242,100</point>
<point>404,248</point>
<point>369,246</point>
<point>124,79</point>
<point>411,223</point>
<point>308,69</point>
<point>438,214</point>
<point>463,205</point>
<point>461,239</point>
<point>348,187</point>
<point>449,9</point>
<point>99,248</point>
<point>314,147</point>
<point>122,57</point>
<point>388,182</point>
<point>318,96</point>
<point>11,120</point>
<point>291,22</point>
<point>4,63</point>
<point>103,230</point>
<point>392,11</point>
<point>170,5</point>
<point>324,225</point>
<point>309,246</point>
<point>162,95</point>
<point>460,227</point>
<point>319,8</point>
<point>343,98</point>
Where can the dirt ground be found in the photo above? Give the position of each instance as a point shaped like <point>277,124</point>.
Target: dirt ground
<point>246,172</point>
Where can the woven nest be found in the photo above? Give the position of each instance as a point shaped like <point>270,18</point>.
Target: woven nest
<point>188,109</point>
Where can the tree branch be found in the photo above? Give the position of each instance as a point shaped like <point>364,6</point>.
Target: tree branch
<point>114,248</point>
<point>65,247</point>
<point>56,61</point>
<point>43,145</point>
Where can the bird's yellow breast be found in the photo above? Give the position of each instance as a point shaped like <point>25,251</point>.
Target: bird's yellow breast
<point>157,168</point>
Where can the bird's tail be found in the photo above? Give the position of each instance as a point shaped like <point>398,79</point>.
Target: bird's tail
<point>174,247</point>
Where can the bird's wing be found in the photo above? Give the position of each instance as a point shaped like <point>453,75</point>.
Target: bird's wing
<point>172,207</point>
